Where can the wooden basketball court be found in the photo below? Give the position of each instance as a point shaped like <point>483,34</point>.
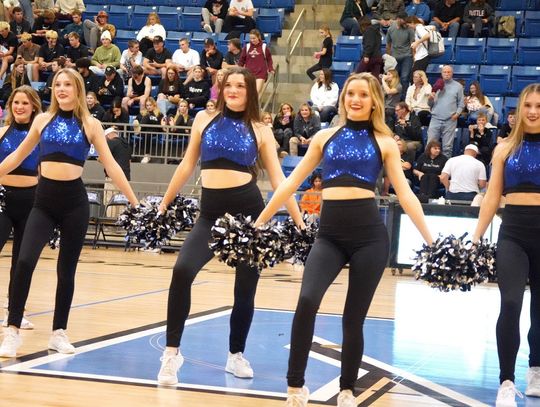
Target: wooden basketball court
<point>119,291</point>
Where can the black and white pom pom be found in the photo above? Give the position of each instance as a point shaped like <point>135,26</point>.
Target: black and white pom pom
<point>182,213</point>
<point>235,240</point>
<point>131,220</point>
<point>483,257</point>
<point>54,241</point>
<point>297,243</point>
<point>2,198</point>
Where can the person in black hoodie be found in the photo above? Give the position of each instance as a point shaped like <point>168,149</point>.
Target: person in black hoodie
<point>197,91</point>
<point>213,15</point>
<point>95,109</point>
<point>477,15</point>
<point>17,78</point>
<point>353,11</point>
<point>408,127</point>
<point>371,48</point>
<point>111,86</point>
<point>91,80</point>
<point>120,150</point>
<point>428,168</point>
<point>116,114</point>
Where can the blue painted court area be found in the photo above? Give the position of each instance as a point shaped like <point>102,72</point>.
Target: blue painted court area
<point>432,353</point>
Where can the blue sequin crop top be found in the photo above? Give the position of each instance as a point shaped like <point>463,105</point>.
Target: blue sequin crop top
<point>63,140</point>
<point>229,143</point>
<point>13,137</point>
<point>522,168</point>
<point>351,157</point>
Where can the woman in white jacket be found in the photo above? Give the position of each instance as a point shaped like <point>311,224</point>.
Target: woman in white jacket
<point>417,97</point>
<point>324,96</point>
<point>147,33</point>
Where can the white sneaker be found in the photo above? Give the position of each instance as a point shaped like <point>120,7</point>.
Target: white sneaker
<point>506,396</point>
<point>25,324</point>
<point>170,363</point>
<point>60,342</point>
<point>12,341</point>
<point>533,382</point>
<point>207,28</point>
<point>297,397</point>
<point>146,159</point>
<point>238,366</point>
<point>346,399</point>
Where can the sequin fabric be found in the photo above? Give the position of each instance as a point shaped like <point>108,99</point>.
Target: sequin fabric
<point>522,169</point>
<point>13,137</point>
<point>351,157</point>
<point>63,140</point>
<point>231,139</point>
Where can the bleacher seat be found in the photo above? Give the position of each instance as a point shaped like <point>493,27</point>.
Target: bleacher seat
<point>494,79</point>
<point>510,102</point>
<point>93,9</point>
<point>341,71</point>
<point>533,5</point>
<point>261,3</point>
<point>529,51</point>
<point>122,38</point>
<point>169,17</point>
<point>512,4</point>
<point>468,73</point>
<point>448,56</point>
<point>518,15</point>
<point>498,103</point>
<point>348,48</point>
<point>191,18</point>
<point>173,38</point>
<point>197,40</point>
<point>140,15</point>
<point>522,76</point>
<point>190,3</point>
<point>501,51</point>
<point>222,42</point>
<point>531,23</point>
<point>269,21</point>
<point>285,4</point>
<point>470,50</point>
<point>120,17</point>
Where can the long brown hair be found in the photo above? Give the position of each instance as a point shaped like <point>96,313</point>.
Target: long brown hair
<point>479,93</point>
<point>516,135</point>
<point>252,112</point>
<point>32,96</point>
<point>375,90</point>
<point>14,74</point>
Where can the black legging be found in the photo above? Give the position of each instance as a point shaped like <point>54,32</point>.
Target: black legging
<point>19,201</point>
<point>351,231</point>
<point>62,203</point>
<point>195,253</point>
<point>518,258</point>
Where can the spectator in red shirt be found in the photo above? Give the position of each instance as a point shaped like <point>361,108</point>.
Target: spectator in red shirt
<point>256,58</point>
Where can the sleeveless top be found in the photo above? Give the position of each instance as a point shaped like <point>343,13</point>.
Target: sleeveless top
<point>351,157</point>
<point>229,143</point>
<point>63,140</point>
<point>522,168</point>
<point>13,137</point>
<point>138,89</point>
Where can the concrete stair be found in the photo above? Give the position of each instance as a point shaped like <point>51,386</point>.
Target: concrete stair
<point>295,88</point>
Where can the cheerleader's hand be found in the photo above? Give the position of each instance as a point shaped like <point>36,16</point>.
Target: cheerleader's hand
<point>301,225</point>
<point>162,209</point>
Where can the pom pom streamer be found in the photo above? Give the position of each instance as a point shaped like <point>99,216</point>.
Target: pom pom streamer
<point>144,224</point>
<point>297,243</point>
<point>2,198</point>
<point>54,241</point>
<point>452,263</point>
<point>235,240</point>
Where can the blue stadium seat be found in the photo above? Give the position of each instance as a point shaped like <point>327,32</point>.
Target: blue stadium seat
<point>501,51</point>
<point>348,48</point>
<point>497,102</point>
<point>160,3</point>
<point>518,15</point>
<point>469,73</point>
<point>533,5</point>
<point>529,51</point>
<point>286,4</point>
<point>261,3</point>
<point>189,3</point>
<point>169,17</point>
<point>341,71</point>
<point>191,18</point>
<point>494,79</point>
<point>140,15</point>
<point>470,50</point>
<point>512,4</point>
<point>173,37</point>
<point>448,56</point>
<point>222,42</point>
<point>531,24</point>
<point>120,16</point>
<point>433,72</point>
<point>509,104</point>
<point>269,21</point>
<point>92,10</point>
<point>122,38</point>
<point>522,76</point>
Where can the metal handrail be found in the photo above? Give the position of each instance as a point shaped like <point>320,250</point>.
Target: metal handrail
<point>300,38</point>
<point>274,79</point>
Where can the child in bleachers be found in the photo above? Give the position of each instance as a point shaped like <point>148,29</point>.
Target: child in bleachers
<point>481,136</point>
<point>312,198</point>
<point>283,126</point>
<point>324,56</point>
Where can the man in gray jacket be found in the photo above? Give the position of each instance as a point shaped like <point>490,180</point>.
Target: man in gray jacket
<point>446,106</point>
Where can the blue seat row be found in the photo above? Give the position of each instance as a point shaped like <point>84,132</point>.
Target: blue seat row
<point>286,4</point>
<point>496,80</point>
<point>506,5</point>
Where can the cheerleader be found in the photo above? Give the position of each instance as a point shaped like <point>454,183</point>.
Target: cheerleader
<point>351,229</point>
<point>20,184</point>
<point>516,173</point>
<point>229,143</point>
<point>64,133</point>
